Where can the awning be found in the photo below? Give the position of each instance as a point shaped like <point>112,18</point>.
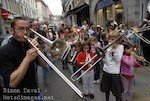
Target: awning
<point>77,9</point>
<point>104,3</point>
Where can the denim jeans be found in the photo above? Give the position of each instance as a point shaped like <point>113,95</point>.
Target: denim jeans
<point>44,70</point>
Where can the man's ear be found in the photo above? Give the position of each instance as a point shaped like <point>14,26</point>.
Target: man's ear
<point>12,31</point>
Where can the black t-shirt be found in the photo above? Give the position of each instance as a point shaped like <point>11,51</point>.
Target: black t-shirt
<point>147,36</point>
<point>11,56</point>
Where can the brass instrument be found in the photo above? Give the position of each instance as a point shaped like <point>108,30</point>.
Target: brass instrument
<point>55,68</point>
<point>100,52</point>
<point>135,48</point>
<point>73,57</point>
<point>76,50</point>
<point>137,32</point>
<point>59,48</point>
<point>138,57</point>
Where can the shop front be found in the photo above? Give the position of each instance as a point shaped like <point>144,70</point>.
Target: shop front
<point>107,9</point>
<point>81,13</point>
<point>5,21</point>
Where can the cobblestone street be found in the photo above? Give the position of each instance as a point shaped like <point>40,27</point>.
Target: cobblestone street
<point>58,90</point>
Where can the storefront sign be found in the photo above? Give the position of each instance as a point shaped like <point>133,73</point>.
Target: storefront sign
<point>104,3</point>
<point>4,14</point>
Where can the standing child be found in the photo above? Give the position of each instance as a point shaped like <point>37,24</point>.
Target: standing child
<point>128,63</point>
<point>111,79</point>
<point>77,48</point>
<point>87,79</point>
<point>95,44</point>
<point>71,41</point>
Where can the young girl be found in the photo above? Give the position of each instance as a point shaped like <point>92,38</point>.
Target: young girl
<point>83,56</point>
<point>77,48</point>
<point>128,63</point>
<point>95,44</point>
<point>111,79</point>
<point>72,42</point>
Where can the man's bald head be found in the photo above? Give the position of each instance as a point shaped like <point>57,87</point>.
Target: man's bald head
<point>35,25</point>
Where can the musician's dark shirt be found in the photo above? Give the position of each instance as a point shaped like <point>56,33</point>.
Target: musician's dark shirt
<point>11,56</point>
<point>145,34</point>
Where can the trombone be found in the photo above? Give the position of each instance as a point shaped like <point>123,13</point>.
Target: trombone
<point>140,58</point>
<point>140,36</point>
<point>54,67</point>
<point>100,52</point>
<point>59,48</point>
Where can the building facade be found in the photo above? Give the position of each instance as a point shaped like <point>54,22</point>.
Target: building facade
<point>76,11</point>
<point>15,8</point>
<point>31,9</point>
<point>131,12</point>
<point>8,9</point>
<point>42,11</point>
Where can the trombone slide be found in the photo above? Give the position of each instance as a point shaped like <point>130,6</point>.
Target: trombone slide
<point>56,70</point>
<point>143,38</point>
<point>89,68</point>
<point>66,52</point>
<point>102,51</point>
<point>140,30</point>
<point>72,76</point>
<point>47,41</point>
<point>72,59</point>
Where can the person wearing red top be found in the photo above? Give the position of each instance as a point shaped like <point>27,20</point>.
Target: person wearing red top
<point>83,56</point>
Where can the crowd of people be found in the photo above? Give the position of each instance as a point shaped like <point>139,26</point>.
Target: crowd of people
<point>115,72</point>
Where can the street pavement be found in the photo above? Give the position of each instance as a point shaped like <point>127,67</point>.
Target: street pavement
<point>58,90</point>
<point>142,85</point>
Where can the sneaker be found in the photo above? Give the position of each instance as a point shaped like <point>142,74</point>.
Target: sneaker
<point>97,81</point>
<point>91,96</point>
<point>86,95</point>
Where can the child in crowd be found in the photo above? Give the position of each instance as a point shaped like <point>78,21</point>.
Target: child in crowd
<point>128,62</point>
<point>71,42</point>
<point>95,44</point>
<point>83,56</point>
<point>111,79</point>
<point>77,48</point>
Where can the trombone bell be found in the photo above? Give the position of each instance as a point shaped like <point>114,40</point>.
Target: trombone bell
<point>58,48</point>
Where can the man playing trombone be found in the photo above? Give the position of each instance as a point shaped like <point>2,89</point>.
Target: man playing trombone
<point>17,62</point>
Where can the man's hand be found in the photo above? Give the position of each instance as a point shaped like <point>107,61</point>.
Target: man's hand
<point>35,42</point>
<point>31,54</point>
